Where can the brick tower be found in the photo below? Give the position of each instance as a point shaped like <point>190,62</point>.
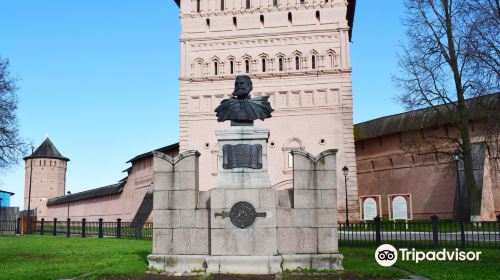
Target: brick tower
<point>45,168</point>
<point>297,53</point>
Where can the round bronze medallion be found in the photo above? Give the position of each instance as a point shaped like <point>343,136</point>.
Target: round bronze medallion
<point>242,214</point>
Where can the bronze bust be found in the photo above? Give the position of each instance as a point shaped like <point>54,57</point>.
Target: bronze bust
<point>242,109</point>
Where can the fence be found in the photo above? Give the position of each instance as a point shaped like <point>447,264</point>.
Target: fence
<point>424,234</point>
<point>100,228</point>
<point>8,220</point>
<point>9,227</point>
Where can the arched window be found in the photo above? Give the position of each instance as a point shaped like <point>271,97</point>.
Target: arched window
<point>290,17</point>
<point>248,4</point>
<point>231,67</point>
<point>208,22</point>
<point>291,144</point>
<point>222,5</point>
<point>197,68</point>
<point>262,20</point>
<point>297,63</point>
<point>216,68</point>
<point>331,59</point>
<point>264,65</point>
<point>247,66</point>
<point>302,2</point>
<point>318,16</point>
<point>235,22</point>
<point>275,3</point>
<point>280,64</point>
<point>198,6</point>
<point>313,62</point>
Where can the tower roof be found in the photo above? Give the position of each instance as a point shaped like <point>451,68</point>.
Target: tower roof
<point>47,150</point>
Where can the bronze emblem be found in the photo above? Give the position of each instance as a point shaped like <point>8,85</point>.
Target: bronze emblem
<point>243,214</point>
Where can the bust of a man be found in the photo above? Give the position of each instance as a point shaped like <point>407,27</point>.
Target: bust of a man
<point>242,109</point>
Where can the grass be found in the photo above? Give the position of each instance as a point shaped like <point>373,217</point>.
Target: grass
<point>48,257</point>
<point>488,267</point>
<point>361,260</point>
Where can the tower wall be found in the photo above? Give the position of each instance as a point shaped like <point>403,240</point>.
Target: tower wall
<point>297,53</point>
<point>48,181</point>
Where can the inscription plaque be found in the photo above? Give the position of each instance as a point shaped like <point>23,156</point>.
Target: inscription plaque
<point>369,209</point>
<point>399,208</point>
<point>242,155</point>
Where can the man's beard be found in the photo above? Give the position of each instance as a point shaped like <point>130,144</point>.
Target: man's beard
<point>241,92</point>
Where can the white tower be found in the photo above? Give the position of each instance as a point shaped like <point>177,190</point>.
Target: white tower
<point>297,53</point>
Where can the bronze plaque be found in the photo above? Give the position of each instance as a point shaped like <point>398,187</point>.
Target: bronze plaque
<point>242,155</point>
<point>243,214</point>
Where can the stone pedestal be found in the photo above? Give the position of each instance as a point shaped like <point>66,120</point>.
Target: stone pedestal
<point>243,226</point>
<point>258,239</point>
<point>243,177</point>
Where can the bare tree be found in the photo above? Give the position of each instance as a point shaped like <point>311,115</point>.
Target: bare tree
<point>11,145</point>
<point>451,54</point>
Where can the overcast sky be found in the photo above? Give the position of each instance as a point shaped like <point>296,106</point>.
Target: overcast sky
<point>100,78</point>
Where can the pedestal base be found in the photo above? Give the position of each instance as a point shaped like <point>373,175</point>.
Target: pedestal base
<point>244,264</point>
<point>177,263</point>
<point>316,261</point>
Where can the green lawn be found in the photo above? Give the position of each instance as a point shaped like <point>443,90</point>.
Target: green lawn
<point>362,260</point>
<point>487,268</point>
<point>48,257</point>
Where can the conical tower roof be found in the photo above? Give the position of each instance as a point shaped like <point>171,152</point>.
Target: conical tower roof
<point>47,150</point>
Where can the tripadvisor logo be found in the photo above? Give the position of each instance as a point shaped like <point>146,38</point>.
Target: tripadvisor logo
<point>387,255</point>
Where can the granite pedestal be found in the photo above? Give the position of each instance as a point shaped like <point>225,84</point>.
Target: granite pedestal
<point>244,226</point>
<point>243,177</point>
